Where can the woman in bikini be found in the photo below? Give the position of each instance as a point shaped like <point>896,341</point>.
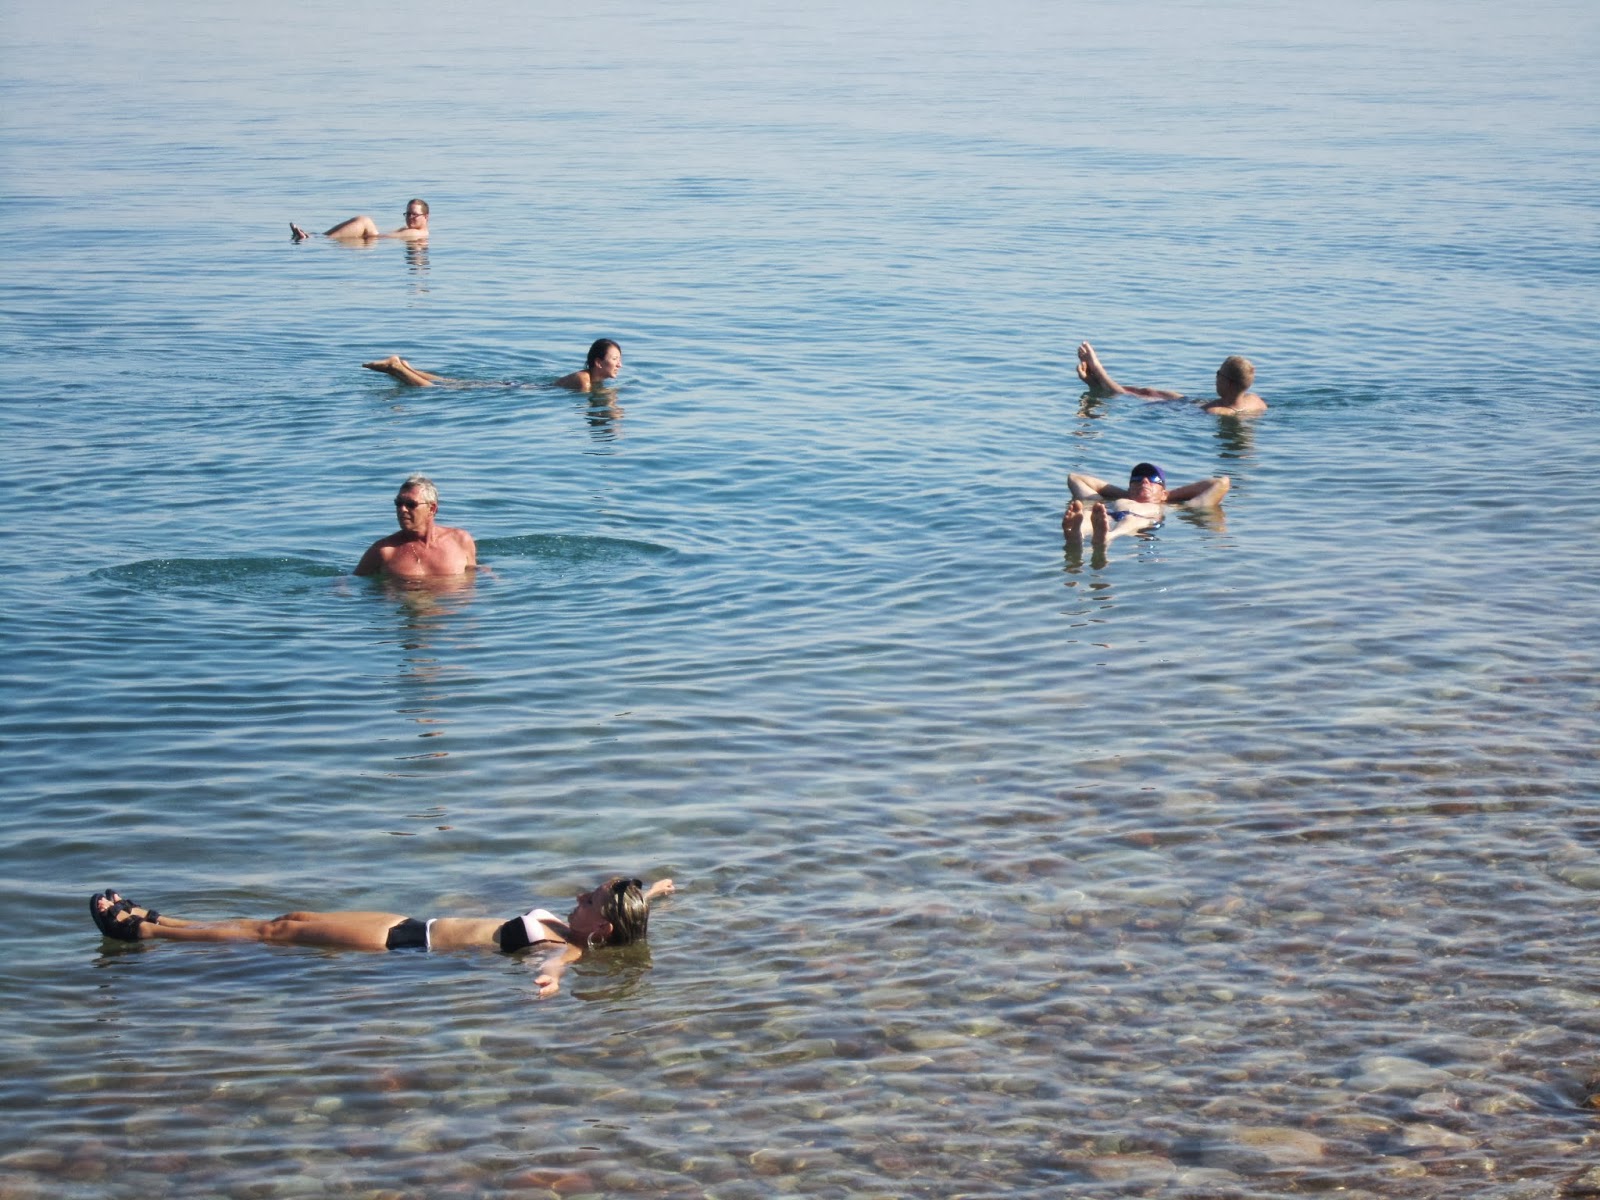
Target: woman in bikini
<point>613,914</point>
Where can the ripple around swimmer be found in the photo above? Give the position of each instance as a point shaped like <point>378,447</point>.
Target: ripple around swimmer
<point>570,548</point>
<point>244,576</point>
<point>258,576</point>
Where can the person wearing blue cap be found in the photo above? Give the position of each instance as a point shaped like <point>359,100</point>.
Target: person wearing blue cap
<point>1115,511</point>
<point>1234,377</point>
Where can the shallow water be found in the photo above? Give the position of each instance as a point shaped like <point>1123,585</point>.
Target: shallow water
<point>1255,857</point>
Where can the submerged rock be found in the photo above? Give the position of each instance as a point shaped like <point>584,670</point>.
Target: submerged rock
<point>1280,1143</point>
<point>1391,1073</point>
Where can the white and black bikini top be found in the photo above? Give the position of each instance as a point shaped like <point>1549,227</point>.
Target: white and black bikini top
<point>529,929</point>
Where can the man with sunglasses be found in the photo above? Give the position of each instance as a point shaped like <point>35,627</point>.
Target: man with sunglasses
<point>1117,511</point>
<point>421,548</point>
<point>365,229</point>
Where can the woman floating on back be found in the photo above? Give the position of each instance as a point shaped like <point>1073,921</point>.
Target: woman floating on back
<point>613,914</point>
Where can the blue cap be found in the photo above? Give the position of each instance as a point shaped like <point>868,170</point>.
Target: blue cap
<point>1148,471</point>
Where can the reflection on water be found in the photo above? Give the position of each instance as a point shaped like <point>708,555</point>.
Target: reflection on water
<point>1236,438</point>
<point>1254,858</point>
<point>417,266</point>
<point>432,637</point>
<point>603,415</point>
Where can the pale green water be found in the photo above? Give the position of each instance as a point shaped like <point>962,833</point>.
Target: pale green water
<point>1259,858</point>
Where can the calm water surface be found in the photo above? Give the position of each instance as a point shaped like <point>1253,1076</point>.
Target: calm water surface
<point>1256,857</point>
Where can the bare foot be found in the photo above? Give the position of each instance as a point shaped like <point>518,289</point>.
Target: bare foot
<point>1092,373</point>
<point>1101,523</point>
<point>1072,522</point>
<point>386,365</point>
<point>300,235</point>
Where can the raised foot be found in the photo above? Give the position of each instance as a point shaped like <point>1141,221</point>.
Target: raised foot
<point>1072,521</point>
<point>118,918</point>
<point>1100,522</point>
<point>1091,372</point>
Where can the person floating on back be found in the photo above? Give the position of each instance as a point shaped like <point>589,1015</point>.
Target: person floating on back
<point>613,914</point>
<point>603,364</point>
<point>365,229</point>
<point>1234,377</point>
<point>421,548</point>
<point>1137,507</point>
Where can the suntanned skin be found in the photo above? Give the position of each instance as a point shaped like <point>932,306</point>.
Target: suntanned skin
<point>400,369</point>
<point>421,548</point>
<point>595,374</point>
<point>590,379</point>
<point>1232,400</point>
<point>1131,509</point>
<point>370,930</point>
<point>365,229</point>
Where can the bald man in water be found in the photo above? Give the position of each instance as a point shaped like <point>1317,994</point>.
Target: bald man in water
<point>422,548</point>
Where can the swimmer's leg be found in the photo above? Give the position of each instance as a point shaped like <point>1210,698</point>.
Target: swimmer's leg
<point>1073,523</point>
<point>356,229</point>
<point>1093,374</point>
<point>400,369</point>
<point>1100,524</point>
<point>118,918</point>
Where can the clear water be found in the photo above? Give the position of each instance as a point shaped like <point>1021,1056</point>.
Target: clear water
<point>1259,857</point>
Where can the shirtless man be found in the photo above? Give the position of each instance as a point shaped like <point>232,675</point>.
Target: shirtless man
<point>604,364</point>
<point>1137,507</point>
<point>365,229</point>
<point>1234,377</point>
<point>421,548</point>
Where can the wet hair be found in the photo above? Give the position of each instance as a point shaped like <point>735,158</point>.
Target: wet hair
<point>421,483</point>
<point>422,204</point>
<point>623,904</point>
<point>1237,372</point>
<point>598,351</point>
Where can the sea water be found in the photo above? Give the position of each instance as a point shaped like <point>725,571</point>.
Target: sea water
<point>1255,856</point>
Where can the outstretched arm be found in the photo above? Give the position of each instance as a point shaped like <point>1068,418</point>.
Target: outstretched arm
<point>661,887</point>
<point>400,369</point>
<point>548,981</point>
<point>1203,493</point>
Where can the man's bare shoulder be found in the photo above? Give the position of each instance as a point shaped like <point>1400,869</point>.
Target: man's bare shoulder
<point>460,541</point>
<point>1246,405</point>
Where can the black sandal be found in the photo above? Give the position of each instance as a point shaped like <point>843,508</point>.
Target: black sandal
<point>126,929</point>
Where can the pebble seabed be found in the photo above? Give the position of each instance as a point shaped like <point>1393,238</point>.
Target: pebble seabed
<point>1196,1009</point>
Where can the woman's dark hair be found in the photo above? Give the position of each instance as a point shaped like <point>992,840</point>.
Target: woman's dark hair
<point>598,351</point>
<point>624,906</point>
